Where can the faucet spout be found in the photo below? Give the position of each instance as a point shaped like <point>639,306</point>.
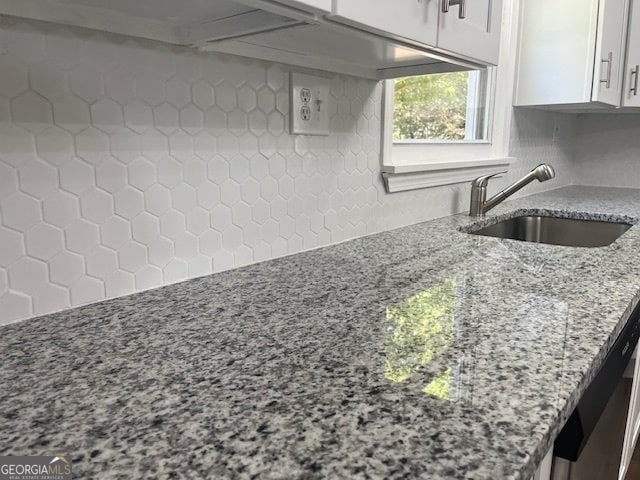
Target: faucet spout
<point>479,204</point>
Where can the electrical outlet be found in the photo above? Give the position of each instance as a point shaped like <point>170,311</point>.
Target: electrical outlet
<point>309,100</point>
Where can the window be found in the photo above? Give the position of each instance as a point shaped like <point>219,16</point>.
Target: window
<point>441,107</point>
<point>450,127</point>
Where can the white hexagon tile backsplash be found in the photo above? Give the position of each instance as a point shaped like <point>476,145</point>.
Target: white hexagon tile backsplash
<point>127,164</point>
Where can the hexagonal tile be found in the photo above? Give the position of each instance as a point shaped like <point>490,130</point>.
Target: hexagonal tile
<point>223,260</point>
<point>76,176</point>
<point>157,200</point>
<point>154,145</point>
<point>184,198</point>
<point>81,236</point>
<point>197,221</point>
<point>12,246</point>
<point>38,178</point>
<point>149,89</point>
<point>232,238</point>
<point>96,205</point>
<point>8,179</point>
<point>17,145</point>
<point>119,85</point>
<point>181,146</point>
<point>145,227</point>
<point>270,231</point>
<point>257,122</point>
<point>71,114</point>
<point>87,290</point>
<point>278,208</point>
<point>124,144</point>
<point>250,190</point>
<point>55,145</point>
<point>247,99</point>
<point>4,282</point>
<point>169,172</point>
<point>20,211</point>
<point>268,145</point>
<point>66,268</point>
<point>14,76</point>
<point>107,115</point>
<point>230,192</point>
<point>276,78</point>
<point>26,274</point>
<point>129,202</point>
<point>32,112</point>
<point>172,224</point>
<point>101,262</point>
<point>185,246</point>
<point>115,232</point>
<point>165,118</point>
<point>60,209</point>
<point>210,242</point>
<point>215,120</point>
<point>226,96</point>
<point>138,116</point>
<point>160,251</point>
<point>147,277</point>
<point>262,252</point>
<point>92,145</point>
<point>199,266</point>
<point>142,173</point>
<point>266,101</point>
<point>220,218</point>
<point>269,189</point>
<point>44,241</point>
<point>218,170</point>
<point>208,194</point>
<point>202,95</point>
<point>132,256</point>
<point>14,306</point>
<point>238,122</point>
<point>119,283</point>
<point>49,80</point>
<point>85,81</point>
<point>175,271</point>
<point>191,119</point>
<point>178,92</point>
<point>241,213</point>
<point>111,175</point>
<point>260,211</point>
<point>204,145</point>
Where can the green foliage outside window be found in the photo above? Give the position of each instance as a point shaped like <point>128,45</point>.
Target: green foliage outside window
<point>431,107</point>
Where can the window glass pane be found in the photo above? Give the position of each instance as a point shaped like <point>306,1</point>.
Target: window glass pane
<point>443,106</point>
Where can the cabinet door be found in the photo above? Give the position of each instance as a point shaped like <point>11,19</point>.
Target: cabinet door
<point>406,20</point>
<point>630,94</point>
<point>477,35</point>
<point>633,419</point>
<point>610,46</point>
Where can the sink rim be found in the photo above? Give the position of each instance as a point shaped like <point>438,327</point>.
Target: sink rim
<point>486,222</point>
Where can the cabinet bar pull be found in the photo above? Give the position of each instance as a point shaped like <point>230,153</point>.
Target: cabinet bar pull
<point>634,77</point>
<point>461,4</point>
<point>608,61</point>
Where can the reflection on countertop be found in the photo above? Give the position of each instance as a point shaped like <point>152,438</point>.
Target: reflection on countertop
<point>423,352</point>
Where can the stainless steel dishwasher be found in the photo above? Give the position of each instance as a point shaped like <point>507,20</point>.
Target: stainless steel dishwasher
<point>589,447</point>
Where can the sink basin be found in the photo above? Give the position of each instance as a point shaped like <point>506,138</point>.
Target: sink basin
<point>556,231</point>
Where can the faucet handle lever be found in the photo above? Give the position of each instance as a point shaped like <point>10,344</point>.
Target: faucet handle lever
<point>484,180</point>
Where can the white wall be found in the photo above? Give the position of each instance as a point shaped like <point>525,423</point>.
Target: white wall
<point>126,165</point>
<point>608,150</point>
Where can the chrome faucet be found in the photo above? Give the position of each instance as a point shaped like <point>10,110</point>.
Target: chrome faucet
<point>479,203</point>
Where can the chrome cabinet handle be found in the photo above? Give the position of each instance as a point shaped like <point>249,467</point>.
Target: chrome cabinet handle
<point>608,61</point>
<point>634,77</point>
<point>461,4</point>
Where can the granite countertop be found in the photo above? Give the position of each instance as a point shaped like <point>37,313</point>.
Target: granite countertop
<point>422,352</point>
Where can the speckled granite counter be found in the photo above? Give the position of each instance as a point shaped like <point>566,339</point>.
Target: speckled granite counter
<point>418,353</point>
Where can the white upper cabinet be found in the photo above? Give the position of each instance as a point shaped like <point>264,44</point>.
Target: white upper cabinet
<point>413,21</point>
<point>630,94</point>
<point>472,29</point>
<point>468,29</point>
<point>571,54</point>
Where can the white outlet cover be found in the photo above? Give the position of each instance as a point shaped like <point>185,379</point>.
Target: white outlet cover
<point>318,123</point>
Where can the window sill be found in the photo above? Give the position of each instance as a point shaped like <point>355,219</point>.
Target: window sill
<point>400,178</point>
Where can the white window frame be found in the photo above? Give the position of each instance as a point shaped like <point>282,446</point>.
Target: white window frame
<point>409,165</point>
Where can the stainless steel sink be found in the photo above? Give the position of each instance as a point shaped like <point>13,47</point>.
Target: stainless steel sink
<point>556,231</point>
